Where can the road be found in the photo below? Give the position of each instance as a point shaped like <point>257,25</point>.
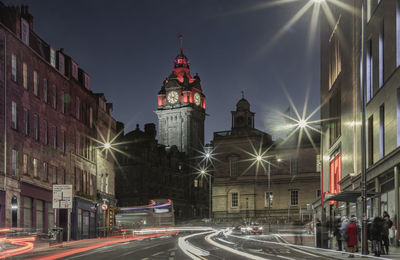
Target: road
<point>168,247</point>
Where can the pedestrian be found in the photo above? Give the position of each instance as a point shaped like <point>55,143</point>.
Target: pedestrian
<point>387,224</point>
<point>376,235</point>
<point>352,236</point>
<point>345,222</point>
<point>337,233</point>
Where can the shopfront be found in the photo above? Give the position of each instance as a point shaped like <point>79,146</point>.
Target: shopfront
<point>83,219</point>
<point>35,208</point>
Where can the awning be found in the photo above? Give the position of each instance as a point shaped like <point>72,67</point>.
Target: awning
<point>349,196</point>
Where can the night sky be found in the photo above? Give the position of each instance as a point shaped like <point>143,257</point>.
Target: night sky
<point>128,47</point>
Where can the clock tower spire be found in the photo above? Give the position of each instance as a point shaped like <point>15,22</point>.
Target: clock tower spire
<point>181,107</point>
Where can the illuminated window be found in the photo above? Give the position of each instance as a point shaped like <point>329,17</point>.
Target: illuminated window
<point>14,162</point>
<point>35,168</point>
<point>382,131</point>
<point>381,56</point>
<point>24,31</point>
<point>14,68</point>
<point>235,199</point>
<point>294,197</point>
<point>35,83</point>
<point>370,132</point>
<point>268,199</point>
<point>196,183</point>
<point>25,164</point>
<point>36,126</point>
<point>14,115</point>
<point>335,174</point>
<point>25,75</point>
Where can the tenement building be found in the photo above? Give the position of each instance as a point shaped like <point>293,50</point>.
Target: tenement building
<point>341,82</point>
<point>167,168</point>
<point>258,179</point>
<point>50,123</point>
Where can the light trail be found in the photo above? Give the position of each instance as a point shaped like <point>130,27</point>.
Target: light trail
<point>190,250</point>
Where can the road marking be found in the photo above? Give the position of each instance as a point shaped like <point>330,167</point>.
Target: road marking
<point>159,253</point>
<point>226,248</point>
<point>190,250</point>
<point>146,258</point>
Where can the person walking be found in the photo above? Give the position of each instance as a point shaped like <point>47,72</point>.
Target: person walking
<point>387,224</point>
<point>337,233</point>
<point>352,236</point>
<point>376,235</point>
<point>345,222</point>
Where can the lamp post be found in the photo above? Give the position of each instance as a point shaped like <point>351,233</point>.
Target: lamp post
<point>208,157</point>
<point>260,160</point>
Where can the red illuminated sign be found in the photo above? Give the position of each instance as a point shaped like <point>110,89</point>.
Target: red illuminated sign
<point>335,174</point>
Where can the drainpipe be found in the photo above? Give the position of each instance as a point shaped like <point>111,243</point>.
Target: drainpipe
<point>396,204</point>
<point>5,113</point>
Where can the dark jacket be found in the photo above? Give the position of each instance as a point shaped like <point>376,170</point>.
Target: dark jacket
<point>387,224</point>
<point>377,229</point>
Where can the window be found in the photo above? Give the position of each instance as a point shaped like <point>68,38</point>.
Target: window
<point>25,75</point>
<point>52,57</point>
<point>63,105</point>
<point>45,91</point>
<point>25,164</point>
<point>335,174</point>
<point>293,166</point>
<point>74,70</point>
<point>106,188</point>
<point>14,118</point>
<point>268,199</point>
<point>335,60</point>
<point>196,183</point>
<point>318,193</point>
<point>35,168</point>
<point>55,175</point>
<point>26,121</point>
<point>55,138</point>
<point>382,131</point>
<point>63,142</point>
<point>381,56</point>
<point>36,126</point>
<point>370,140</point>
<point>46,171</point>
<point>398,116</point>
<point>64,177</point>
<point>24,31</point>
<point>294,197</point>
<point>46,132</point>
<point>35,83</point>
<point>370,71</point>
<point>27,212</point>
<point>14,162</point>
<point>78,108</point>
<point>398,33</point>
<point>14,68</point>
<point>233,166</point>
<point>334,124</point>
<point>39,215</point>
<point>78,144</point>
<point>235,199</point>
<point>55,98</point>
<point>50,217</point>
<point>61,66</point>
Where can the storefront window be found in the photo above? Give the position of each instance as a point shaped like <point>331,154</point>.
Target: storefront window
<point>85,223</point>
<point>39,215</point>
<point>79,221</point>
<point>27,212</point>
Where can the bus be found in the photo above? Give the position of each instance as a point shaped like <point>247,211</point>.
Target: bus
<point>158,213</point>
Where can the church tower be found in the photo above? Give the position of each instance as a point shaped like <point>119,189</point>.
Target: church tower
<point>181,108</point>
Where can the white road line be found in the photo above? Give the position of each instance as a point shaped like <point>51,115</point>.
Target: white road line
<point>190,250</point>
<point>226,248</point>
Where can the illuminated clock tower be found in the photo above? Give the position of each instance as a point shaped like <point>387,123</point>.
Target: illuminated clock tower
<point>181,108</point>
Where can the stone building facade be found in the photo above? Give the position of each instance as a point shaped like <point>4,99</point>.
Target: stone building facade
<point>49,131</point>
<point>282,185</point>
<point>340,93</point>
<point>148,170</point>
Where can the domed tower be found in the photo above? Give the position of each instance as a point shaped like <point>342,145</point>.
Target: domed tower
<point>181,108</point>
<point>242,118</point>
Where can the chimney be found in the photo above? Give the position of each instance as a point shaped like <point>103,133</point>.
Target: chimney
<point>150,130</point>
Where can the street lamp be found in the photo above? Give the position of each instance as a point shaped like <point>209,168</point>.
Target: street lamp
<point>107,145</point>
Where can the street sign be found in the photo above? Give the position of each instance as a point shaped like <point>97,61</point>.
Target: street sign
<point>104,206</point>
<point>62,196</point>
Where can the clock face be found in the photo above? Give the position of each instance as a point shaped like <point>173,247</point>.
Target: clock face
<point>172,97</point>
<point>197,99</point>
